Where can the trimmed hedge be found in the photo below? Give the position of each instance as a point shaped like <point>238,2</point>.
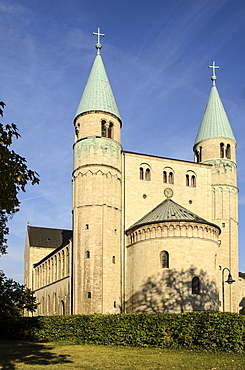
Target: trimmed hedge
<point>193,330</point>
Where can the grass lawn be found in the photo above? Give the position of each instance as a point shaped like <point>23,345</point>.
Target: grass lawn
<point>53,356</point>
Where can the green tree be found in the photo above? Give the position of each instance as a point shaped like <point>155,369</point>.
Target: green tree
<point>14,176</point>
<point>14,297</point>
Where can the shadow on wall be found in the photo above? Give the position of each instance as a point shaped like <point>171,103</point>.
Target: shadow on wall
<point>176,291</point>
<point>242,305</point>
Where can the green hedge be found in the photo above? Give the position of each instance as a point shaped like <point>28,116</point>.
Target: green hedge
<point>194,330</point>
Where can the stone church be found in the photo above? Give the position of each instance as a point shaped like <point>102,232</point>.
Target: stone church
<point>150,234</point>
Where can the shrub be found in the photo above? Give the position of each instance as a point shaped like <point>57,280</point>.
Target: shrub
<point>193,330</point>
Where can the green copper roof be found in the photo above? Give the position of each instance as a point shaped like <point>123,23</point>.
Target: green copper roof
<point>98,94</point>
<point>168,210</point>
<point>215,122</point>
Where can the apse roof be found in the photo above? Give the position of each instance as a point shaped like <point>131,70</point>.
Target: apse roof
<point>168,210</point>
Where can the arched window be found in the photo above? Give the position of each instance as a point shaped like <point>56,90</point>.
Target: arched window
<point>190,179</point>
<point>164,259</point>
<point>200,154</point>
<point>170,178</point>
<point>107,129</point>
<point>145,172</point>
<point>195,285</point>
<point>103,128</point>
<point>87,254</point>
<point>197,157</point>
<point>110,131</point>
<point>148,174</point>
<point>222,150</point>
<point>89,294</point>
<point>141,173</point>
<point>228,151</point>
<point>193,180</point>
<point>168,175</point>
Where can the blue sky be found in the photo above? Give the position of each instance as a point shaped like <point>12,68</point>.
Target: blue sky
<point>156,54</point>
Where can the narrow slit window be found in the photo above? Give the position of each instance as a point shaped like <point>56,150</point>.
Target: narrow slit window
<point>187,179</point>
<point>170,178</point>
<point>228,151</point>
<point>193,181</point>
<point>110,131</point>
<point>148,174</point>
<point>195,285</point>
<point>222,150</point>
<point>164,259</point>
<point>141,173</point>
<point>103,128</point>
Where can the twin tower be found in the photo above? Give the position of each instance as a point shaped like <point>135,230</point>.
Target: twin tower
<point>150,234</point>
<point>137,243</point>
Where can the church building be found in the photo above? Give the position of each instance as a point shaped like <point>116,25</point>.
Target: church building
<point>150,234</point>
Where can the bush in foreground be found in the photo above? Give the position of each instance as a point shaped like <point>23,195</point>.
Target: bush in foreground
<point>194,330</point>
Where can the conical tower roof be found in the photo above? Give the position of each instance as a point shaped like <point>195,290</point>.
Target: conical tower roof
<point>98,95</point>
<point>168,210</point>
<point>215,122</point>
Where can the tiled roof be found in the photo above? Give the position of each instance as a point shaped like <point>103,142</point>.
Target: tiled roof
<point>215,122</point>
<point>98,94</point>
<point>168,210</point>
<point>48,238</point>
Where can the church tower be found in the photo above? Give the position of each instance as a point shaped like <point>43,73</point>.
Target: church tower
<point>215,144</point>
<point>97,197</point>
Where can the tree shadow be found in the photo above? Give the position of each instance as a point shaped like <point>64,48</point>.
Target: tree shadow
<point>16,352</point>
<point>242,305</point>
<point>171,291</point>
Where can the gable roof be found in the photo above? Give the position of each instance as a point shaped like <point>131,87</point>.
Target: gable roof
<point>47,237</point>
<point>169,210</point>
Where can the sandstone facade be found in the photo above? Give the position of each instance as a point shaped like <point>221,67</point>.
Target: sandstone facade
<point>131,251</point>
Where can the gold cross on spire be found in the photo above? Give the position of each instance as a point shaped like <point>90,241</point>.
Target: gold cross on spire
<point>213,78</point>
<point>98,45</point>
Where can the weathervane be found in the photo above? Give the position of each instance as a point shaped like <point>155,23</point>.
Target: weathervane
<point>98,45</point>
<point>213,78</point>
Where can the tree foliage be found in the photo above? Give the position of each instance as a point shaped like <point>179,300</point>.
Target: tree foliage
<point>14,297</point>
<point>14,176</point>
